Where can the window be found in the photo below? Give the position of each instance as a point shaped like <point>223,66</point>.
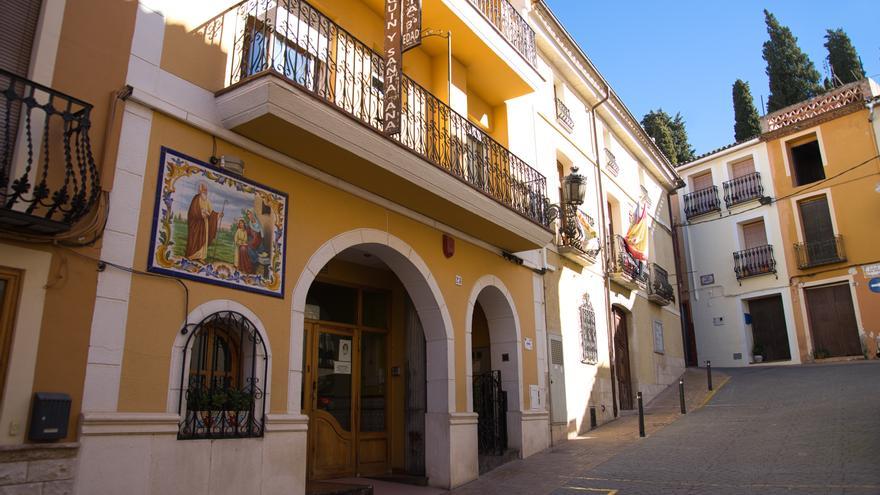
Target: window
<point>806,160</point>
<point>701,181</point>
<point>589,347</point>
<point>742,168</point>
<point>225,366</point>
<point>754,234</point>
<point>820,245</point>
<point>10,282</point>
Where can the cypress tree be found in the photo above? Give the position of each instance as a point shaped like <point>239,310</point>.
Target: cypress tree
<point>845,62</point>
<point>669,135</point>
<point>793,77</point>
<point>747,124</point>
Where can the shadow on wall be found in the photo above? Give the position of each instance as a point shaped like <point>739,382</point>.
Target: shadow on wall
<point>598,400</point>
<point>196,56</point>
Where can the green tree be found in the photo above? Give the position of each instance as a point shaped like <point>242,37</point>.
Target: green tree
<point>747,124</point>
<point>793,77</point>
<point>669,135</point>
<point>845,62</point>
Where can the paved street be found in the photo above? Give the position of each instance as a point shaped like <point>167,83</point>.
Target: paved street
<point>795,430</point>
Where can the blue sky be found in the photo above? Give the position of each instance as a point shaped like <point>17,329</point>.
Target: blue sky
<point>684,55</point>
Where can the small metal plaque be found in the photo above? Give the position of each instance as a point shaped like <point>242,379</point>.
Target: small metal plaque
<point>707,279</point>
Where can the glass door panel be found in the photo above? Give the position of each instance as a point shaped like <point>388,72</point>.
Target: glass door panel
<point>333,390</point>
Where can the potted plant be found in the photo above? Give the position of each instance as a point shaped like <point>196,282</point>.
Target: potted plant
<point>758,352</point>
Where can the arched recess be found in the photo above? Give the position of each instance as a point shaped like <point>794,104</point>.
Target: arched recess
<point>181,340</point>
<point>505,338</point>
<point>424,292</point>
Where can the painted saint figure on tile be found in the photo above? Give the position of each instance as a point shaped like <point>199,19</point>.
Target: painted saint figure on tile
<point>193,238</point>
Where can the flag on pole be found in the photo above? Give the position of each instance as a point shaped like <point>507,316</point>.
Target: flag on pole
<point>637,238</point>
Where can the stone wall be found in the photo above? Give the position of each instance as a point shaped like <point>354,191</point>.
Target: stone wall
<point>34,469</point>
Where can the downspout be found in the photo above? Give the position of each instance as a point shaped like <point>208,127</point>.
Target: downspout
<point>676,252</point>
<point>605,258</point>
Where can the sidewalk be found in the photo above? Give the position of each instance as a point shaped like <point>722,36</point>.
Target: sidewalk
<point>544,472</point>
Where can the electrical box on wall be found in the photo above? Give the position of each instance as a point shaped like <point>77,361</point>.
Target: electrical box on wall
<point>718,321</point>
<point>49,417</point>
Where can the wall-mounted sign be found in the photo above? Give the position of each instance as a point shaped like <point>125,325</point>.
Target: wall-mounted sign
<point>874,284</point>
<point>528,344</point>
<point>707,279</point>
<point>341,367</point>
<point>412,24</point>
<point>393,67</point>
<point>871,270</point>
<point>659,348</point>
<point>345,350</point>
<point>217,228</point>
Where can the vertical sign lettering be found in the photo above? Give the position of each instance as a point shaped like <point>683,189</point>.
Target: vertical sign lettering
<point>412,24</point>
<point>393,63</point>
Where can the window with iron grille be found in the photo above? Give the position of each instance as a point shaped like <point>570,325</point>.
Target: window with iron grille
<point>589,348</point>
<point>225,364</point>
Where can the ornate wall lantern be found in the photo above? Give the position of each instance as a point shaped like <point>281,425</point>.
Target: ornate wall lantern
<point>574,188</point>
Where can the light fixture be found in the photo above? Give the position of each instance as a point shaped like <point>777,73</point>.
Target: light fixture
<point>574,188</point>
<point>232,164</point>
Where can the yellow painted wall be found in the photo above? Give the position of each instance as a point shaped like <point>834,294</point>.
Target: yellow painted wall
<point>317,213</point>
<point>846,141</point>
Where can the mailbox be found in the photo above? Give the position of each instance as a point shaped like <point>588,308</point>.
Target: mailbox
<point>49,416</point>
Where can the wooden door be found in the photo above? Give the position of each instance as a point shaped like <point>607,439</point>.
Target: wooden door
<point>371,426</point>
<point>621,360</point>
<point>332,404</point>
<point>769,329</point>
<point>754,234</point>
<point>833,321</point>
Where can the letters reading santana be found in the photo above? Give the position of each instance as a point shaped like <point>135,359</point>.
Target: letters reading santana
<point>393,63</point>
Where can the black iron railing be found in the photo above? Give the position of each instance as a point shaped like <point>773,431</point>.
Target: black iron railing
<point>755,261</point>
<point>490,404</point>
<point>818,253</point>
<point>576,231</point>
<point>742,189</point>
<point>293,40</point>
<point>611,163</point>
<point>511,25</point>
<point>701,202</point>
<point>563,115</point>
<point>48,177</point>
<point>626,267</point>
<point>660,290</point>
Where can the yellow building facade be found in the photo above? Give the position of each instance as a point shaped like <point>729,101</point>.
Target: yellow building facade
<point>824,159</point>
<point>237,282</point>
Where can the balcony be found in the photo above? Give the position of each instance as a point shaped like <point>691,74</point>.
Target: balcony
<point>304,86</point>
<point>48,177</point>
<point>611,164</point>
<point>563,116</point>
<point>701,202</point>
<point>625,269</point>
<point>511,25</point>
<point>818,253</point>
<point>660,291</point>
<point>753,262</point>
<point>742,189</point>
<point>577,236</point>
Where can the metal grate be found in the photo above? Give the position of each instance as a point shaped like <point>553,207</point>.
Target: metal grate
<point>556,352</point>
<point>589,346</point>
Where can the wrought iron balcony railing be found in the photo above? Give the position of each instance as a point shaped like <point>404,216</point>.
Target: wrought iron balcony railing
<point>660,290</point>
<point>742,189</point>
<point>48,177</point>
<point>818,253</point>
<point>578,232</point>
<point>625,269</point>
<point>295,41</point>
<point>563,115</point>
<point>755,261</point>
<point>511,25</point>
<point>701,202</point>
<point>611,163</point>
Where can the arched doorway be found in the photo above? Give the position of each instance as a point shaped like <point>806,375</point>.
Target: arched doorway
<point>375,362</point>
<point>495,372</point>
<point>622,368</point>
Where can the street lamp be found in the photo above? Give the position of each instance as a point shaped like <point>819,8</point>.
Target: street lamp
<point>574,188</point>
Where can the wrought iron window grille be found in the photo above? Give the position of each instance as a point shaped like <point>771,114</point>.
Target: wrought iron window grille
<point>48,176</point>
<point>294,40</point>
<point>625,265</point>
<point>589,345</point>
<point>513,28</point>
<point>611,163</point>
<point>225,364</point>
<point>660,290</point>
<point>563,115</point>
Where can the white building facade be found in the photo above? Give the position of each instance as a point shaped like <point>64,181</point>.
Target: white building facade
<point>733,248</point>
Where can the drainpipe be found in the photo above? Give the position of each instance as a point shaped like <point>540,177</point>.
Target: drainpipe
<point>605,258</point>
<point>676,252</point>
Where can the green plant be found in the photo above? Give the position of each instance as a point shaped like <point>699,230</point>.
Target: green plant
<point>757,349</point>
<point>219,399</point>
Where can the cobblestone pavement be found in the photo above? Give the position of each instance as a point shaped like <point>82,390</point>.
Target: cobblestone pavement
<point>812,429</point>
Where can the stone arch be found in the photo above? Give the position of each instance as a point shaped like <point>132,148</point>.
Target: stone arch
<point>180,340</point>
<point>505,336</point>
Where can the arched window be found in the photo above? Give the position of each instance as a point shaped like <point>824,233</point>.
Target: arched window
<point>589,347</point>
<point>224,367</point>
